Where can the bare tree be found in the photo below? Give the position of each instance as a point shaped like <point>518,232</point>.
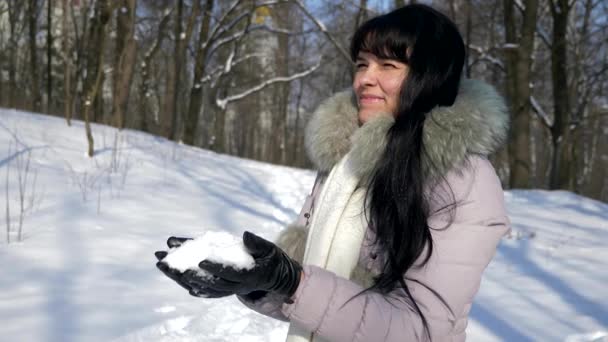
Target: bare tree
<point>49,55</point>
<point>80,21</point>
<point>200,62</point>
<point>95,61</point>
<point>32,13</point>
<point>182,39</point>
<point>124,62</point>
<point>67,63</point>
<point>467,37</point>
<point>561,166</point>
<point>323,29</point>
<point>15,13</point>
<point>596,162</point>
<point>145,86</point>
<point>278,143</point>
<point>518,52</point>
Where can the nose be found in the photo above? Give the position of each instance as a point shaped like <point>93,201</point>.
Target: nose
<point>367,76</point>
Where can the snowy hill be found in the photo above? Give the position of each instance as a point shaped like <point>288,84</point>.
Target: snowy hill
<point>84,268</point>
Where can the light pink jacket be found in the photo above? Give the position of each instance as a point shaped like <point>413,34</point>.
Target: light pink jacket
<point>443,289</point>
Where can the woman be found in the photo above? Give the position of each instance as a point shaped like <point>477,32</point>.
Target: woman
<point>406,212</point>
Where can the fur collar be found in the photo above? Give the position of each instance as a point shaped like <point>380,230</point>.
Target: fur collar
<point>477,123</point>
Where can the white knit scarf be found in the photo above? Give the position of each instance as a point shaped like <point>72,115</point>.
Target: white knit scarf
<point>336,231</point>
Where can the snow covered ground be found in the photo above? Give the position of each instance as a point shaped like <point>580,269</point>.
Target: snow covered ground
<point>84,270</point>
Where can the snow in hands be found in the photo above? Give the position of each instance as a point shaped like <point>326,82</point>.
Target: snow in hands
<point>219,247</point>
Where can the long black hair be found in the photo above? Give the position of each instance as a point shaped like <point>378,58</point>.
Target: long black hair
<point>429,43</point>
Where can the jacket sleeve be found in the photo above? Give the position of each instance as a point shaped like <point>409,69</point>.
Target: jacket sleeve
<point>292,240</point>
<point>328,305</point>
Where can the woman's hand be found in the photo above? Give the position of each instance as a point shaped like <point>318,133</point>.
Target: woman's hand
<point>189,280</point>
<point>274,271</point>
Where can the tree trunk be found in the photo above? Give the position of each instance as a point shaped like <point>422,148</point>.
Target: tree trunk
<point>218,139</point>
<point>67,65</point>
<point>99,113</point>
<point>169,113</point>
<point>597,182</point>
<point>34,74</point>
<point>300,156</point>
<point>196,92</point>
<point>169,104</point>
<point>468,33</point>
<point>145,88</point>
<point>49,56</point>
<point>580,90</point>
<point>125,60</point>
<point>519,61</point>
<point>561,166</point>
<point>278,135</point>
<point>14,14</point>
<point>82,45</point>
<point>97,36</point>
<point>361,14</point>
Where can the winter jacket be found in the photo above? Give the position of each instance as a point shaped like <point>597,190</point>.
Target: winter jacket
<point>458,140</point>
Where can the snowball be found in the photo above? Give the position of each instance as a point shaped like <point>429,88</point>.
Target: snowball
<point>219,247</point>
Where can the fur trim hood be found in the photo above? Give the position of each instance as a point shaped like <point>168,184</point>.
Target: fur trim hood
<point>477,123</point>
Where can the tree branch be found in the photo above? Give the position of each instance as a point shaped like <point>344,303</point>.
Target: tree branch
<point>219,71</point>
<point>323,29</point>
<point>483,55</point>
<point>223,102</point>
<point>237,35</point>
<point>539,30</point>
<point>545,119</point>
<point>218,29</point>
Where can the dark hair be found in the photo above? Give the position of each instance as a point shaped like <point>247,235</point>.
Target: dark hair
<point>433,49</point>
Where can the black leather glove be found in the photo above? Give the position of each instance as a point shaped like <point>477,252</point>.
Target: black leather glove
<point>184,279</point>
<point>274,271</point>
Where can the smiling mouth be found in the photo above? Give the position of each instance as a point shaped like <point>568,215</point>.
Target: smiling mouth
<point>370,99</point>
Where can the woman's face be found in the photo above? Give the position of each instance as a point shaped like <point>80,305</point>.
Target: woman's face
<point>377,83</point>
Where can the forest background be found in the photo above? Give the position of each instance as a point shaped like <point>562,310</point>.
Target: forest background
<point>242,76</point>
